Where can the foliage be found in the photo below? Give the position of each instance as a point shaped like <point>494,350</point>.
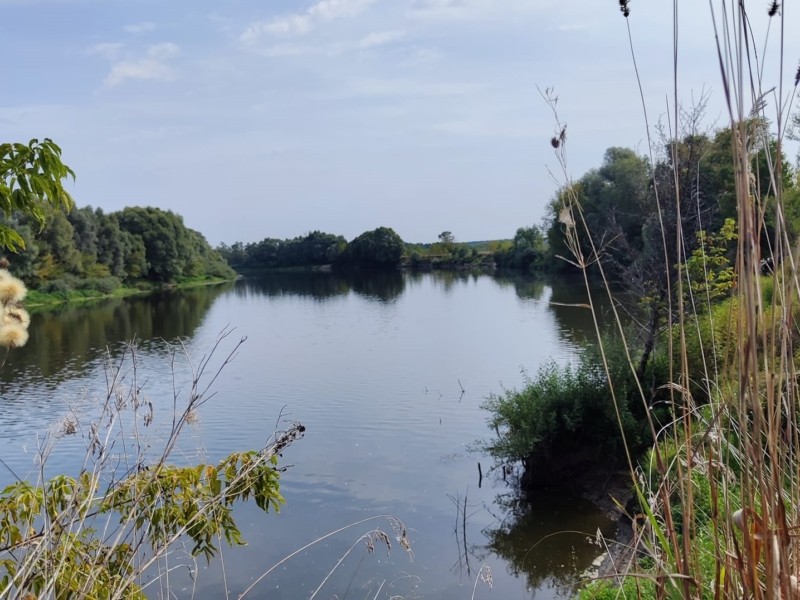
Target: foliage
<point>718,493</point>
<point>30,175</point>
<point>564,417</point>
<point>381,247</point>
<point>709,270</point>
<point>528,250</point>
<point>447,241</point>
<point>613,199</point>
<point>88,246</point>
<point>314,249</point>
<point>95,535</point>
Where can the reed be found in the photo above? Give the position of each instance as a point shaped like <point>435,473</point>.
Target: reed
<point>719,491</point>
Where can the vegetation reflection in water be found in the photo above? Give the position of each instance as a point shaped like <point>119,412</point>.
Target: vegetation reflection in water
<point>547,539</point>
<point>71,341</point>
<point>66,339</point>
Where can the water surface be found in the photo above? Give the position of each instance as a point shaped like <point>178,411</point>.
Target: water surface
<point>386,371</point>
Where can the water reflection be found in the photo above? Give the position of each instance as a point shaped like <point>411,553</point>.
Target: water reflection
<point>316,284</point>
<point>384,286</point>
<point>569,305</point>
<point>63,342</point>
<point>525,286</point>
<point>391,396</point>
<point>547,538</point>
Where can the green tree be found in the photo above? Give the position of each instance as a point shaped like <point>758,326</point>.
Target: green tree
<point>168,249</point>
<point>57,241</point>
<point>447,241</point>
<point>709,269</point>
<point>111,243</point>
<point>528,250</point>
<point>381,247</point>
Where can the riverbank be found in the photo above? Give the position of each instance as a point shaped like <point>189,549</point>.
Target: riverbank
<point>613,494</point>
<point>37,301</point>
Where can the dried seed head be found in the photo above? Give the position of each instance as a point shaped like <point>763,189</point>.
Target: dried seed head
<point>774,7</point>
<point>565,217</point>
<point>11,288</point>
<point>69,426</point>
<point>624,8</point>
<point>486,575</point>
<point>381,536</point>
<point>13,336</point>
<point>16,315</point>
<point>555,142</point>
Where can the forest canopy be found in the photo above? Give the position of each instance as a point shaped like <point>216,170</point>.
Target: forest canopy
<point>89,247</point>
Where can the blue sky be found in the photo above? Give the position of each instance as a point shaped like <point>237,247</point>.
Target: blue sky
<point>272,118</point>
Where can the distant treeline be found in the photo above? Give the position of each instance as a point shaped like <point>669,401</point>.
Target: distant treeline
<point>381,247</point>
<point>610,217</point>
<point>90,249</point>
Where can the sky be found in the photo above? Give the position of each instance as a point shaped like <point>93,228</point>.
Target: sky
<point>274,118</point>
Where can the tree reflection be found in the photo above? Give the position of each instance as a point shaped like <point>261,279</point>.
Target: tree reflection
<point>526,286</point>
<point>319,285</point>
<point>569,305</point>
<point>64,341</point>
<point>385,286</point>
<point>548,538</point>
<point>448,279</point>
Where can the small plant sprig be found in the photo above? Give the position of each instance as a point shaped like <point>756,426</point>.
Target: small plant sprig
<point>105,532</point>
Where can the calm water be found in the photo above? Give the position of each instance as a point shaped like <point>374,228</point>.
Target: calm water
<point>387,372</point>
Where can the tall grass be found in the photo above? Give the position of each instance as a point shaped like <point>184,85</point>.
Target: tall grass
<point>720,493</point>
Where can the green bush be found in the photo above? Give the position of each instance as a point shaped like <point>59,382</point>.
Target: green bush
<point>57,286</point>
<point>104,285</point>
<point>632,587</point>
<point>564,417</point>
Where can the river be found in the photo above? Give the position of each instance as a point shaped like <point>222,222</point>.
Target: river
<point>386,371</point>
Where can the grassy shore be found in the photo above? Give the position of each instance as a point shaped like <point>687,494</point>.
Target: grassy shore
<point>37,300</point>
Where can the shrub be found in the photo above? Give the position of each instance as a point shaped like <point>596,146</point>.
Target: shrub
<point>57,286</point>
<point>95,535</point>
<point>564,417</point>
<point>104,285</point>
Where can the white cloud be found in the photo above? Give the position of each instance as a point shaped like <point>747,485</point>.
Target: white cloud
<point>329,10</point>
<point>302,23</point>
<point>288,25</point>
<point>281,50</point>
<point>411,87</point>
<point>162,51</point>
<point>470,10</point>
<point>145,69</point>
<point>109,50</point>
<point>151,67</point>
<point>143,27</point>
<point>380,38</point>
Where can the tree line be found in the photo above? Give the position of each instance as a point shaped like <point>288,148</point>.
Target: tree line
<point>89,248</point>
<point>381,247</point>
